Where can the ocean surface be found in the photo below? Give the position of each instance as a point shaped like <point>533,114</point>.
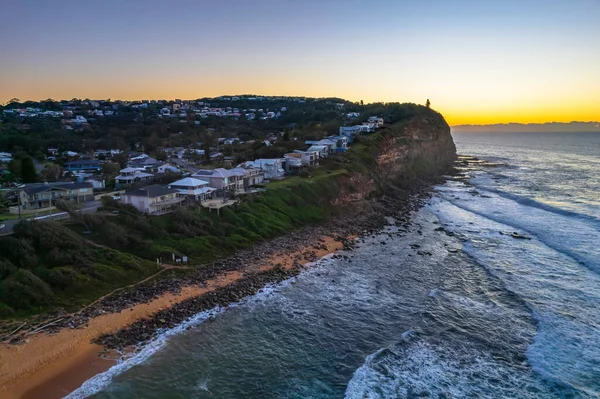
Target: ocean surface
<point>451,307</point>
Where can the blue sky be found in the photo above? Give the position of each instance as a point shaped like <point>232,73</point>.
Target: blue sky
<point>492,61</point>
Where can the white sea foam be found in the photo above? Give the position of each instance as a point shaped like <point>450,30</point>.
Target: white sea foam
<point>562,293</point>
<point>430,370</point>
<point>102,380</point>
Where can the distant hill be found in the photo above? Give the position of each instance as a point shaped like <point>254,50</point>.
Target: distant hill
<point>529,127</point>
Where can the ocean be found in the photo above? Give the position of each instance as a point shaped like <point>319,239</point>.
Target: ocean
<point>453,306</point>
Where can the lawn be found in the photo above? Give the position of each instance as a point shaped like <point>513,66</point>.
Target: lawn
<point>318,174</point>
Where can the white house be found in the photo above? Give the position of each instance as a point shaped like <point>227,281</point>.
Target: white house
<point>252,175</point>
<point>323,150</point>
<point>166,167</point>
<point>357,129</point>
<point>272,168</point>
<point>341,143</point>
<point>377,121</point>
<point>97,184</point>
<point>153,200</point>
<point>223,179</point>
<point>330,144</point>
<point>309,158</point>
<point>293,162</point>
<point>196,189</point>
<point>132,175</point>
<point>5,157</point>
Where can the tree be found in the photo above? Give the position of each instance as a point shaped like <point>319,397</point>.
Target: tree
<point>51,172</point>
<point>207,140</point>
<point>428,103</point>
<point>361,102</point>
<point>28,174</point>
<point>110,168</point>
<point>66,206</point>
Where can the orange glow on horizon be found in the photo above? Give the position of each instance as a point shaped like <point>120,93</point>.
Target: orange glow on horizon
<point>457,111</point>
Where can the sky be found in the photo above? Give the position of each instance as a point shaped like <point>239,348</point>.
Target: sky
<point>478,61</point>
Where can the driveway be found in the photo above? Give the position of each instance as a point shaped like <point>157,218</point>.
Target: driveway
<point>88,207</point>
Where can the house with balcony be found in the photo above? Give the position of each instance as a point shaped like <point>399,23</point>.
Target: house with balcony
<point>309,158</point>
<point>293,163</point>
<point>83,165</point>
<point>153,200</point>
<point>272,168</point>
<point>195,189</point>
<point>44,195</point>
<point>375,120</point>
<point>132,175</point>
<point>325,142</point>
<point>252,176</point>
<point>341,143</point>
<point>351,131</point>
<point>224,180</point>
<point>323,150</point>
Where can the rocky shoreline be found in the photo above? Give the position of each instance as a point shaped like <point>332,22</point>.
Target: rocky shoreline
<point>359,218</point>
<point>369,219</point>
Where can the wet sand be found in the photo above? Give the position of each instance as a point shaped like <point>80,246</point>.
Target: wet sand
<point>51,366</point>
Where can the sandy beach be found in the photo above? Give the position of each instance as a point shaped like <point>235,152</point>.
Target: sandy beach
<point>50,366</point>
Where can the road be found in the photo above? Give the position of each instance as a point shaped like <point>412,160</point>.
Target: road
<point>88,207</point>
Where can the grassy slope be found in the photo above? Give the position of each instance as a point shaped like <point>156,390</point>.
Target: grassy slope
<point>65,270</point>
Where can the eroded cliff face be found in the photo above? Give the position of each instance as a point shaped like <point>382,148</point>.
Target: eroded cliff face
<point>420,148</point>
<point>400,155</point>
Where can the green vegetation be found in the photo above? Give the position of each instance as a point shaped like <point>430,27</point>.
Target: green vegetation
<point>48,264</point>
<point>203,235</point>
<point>45,264</point>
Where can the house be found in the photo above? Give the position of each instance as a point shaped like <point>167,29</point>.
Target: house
<point>231,141</point>
<point>79,119</point>
<point>196,189</point>
<point>167,167</point>
<point>153,200</point>
<point>223,179</point>
<point>5,157</point>
<point>252,176</point>
<point>98,184</point>
<point>351,131</point>
<point>341,143</point>
<point>330,144</point>
<point>323,150</point>
<point>309,158</point>
<point>45,195</point>
<point>132,175</point>
<point>103,153</point>
<point>143,162</point>
<point>293,162</point>
<point>375,120</point>
<point>92,165</point>
<point>272,168</point>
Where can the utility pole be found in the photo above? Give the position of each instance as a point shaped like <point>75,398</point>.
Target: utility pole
<point>19,202</point>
